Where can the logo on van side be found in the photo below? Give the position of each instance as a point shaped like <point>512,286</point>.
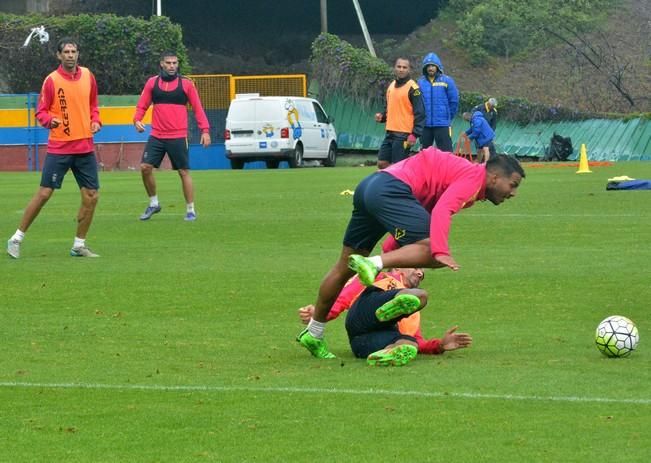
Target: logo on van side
<point>268,130</point>
<point>292,118</point>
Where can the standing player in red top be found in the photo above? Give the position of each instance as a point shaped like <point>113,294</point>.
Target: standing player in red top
<point>414,201</point>
<point>68,107</point>
<point>170,93</point>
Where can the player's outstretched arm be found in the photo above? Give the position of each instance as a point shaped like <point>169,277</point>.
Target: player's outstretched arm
<point>452,340</point>
<point>447,261</point>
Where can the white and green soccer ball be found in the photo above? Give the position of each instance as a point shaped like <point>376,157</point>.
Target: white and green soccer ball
<point>617,336</point>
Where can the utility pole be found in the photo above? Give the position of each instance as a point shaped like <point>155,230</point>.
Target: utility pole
<point>362,23</point>
<point>324,16</point>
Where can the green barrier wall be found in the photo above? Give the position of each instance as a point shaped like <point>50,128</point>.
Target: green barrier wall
<point>605,139</point>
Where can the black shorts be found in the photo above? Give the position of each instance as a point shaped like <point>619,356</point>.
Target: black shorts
<point>366,333</point>
<point>393,147</point>
<point>83,166</point>
<point>491,148</point>
<point>383,204</point>
<point>176,149</point>
<point>438,135</point>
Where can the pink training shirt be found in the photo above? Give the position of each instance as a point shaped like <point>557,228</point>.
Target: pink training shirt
<point>171,120</point>
<point>444,184</point>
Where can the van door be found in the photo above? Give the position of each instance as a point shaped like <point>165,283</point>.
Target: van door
<point>240,124</point>
<point>325,129</point>
<point>309,127</point>
<point>269,121</point>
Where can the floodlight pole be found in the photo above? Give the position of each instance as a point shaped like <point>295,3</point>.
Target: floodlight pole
<point>158,7</point>
<point>362,23</point>
<point>324,16</point>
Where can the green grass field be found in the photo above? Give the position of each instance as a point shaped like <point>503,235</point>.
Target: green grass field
<point>177,345</point>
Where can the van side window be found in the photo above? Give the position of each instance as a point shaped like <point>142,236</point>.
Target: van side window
<point>320,114</point>
<point>305,111</point>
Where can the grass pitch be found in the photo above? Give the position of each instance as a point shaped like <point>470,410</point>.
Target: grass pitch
<point>177,345</point>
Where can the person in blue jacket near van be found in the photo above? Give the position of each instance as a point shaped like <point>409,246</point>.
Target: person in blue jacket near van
<point>441,99</point>
<point>481,132</point>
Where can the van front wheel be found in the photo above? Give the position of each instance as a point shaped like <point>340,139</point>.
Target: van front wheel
<point>237,164</point>
<point>297,159</point>
<point>332,156</point>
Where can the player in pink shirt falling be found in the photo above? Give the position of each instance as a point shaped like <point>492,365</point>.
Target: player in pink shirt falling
<point>414,201</point>
<point>170,93</point>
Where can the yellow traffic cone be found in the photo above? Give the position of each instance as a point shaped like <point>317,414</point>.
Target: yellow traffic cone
<point>584,167</point>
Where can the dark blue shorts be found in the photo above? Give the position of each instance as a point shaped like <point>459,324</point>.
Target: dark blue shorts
<point>366,333</point>
<point>176,149</point>
<point>83,166</point>
<point>393,147</point>
<point>490,145</point>
<point>383,204</point>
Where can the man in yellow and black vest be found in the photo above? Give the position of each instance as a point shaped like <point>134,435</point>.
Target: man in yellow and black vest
<point>68,108</point>
<point>404,116</point>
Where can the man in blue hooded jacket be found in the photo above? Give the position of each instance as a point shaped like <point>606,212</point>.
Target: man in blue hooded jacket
<point>441,99</point>
<point>481,132</point>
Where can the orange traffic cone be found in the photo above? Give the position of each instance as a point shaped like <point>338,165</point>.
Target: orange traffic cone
<point>584,167</point>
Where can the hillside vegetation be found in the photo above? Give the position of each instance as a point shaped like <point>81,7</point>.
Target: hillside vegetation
<point>607,69</point>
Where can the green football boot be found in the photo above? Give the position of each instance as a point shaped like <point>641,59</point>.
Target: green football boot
<point>317,347</point>
<point>364,268</point>
<point>402,304</point>
<point>393,357</point>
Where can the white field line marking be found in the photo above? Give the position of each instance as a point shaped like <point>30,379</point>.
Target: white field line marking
<point>555,215</point>
<point>312,390</point>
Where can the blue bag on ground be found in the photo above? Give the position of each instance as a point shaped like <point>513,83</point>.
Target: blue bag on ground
<point>630,185</point>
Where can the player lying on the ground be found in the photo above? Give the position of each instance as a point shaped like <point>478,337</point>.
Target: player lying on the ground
<point>392,341</point>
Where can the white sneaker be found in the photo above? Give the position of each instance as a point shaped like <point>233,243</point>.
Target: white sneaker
<point>13,248</point>
<point>82,251</point>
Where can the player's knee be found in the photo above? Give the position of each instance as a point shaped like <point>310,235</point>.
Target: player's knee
<point>146,168</point>
<point>90,197</point>
<point>44,194</point>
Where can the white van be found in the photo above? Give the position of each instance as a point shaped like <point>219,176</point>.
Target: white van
<point>278,128</point>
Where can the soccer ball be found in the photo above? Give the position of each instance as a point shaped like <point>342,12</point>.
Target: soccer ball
<point>617,336</point>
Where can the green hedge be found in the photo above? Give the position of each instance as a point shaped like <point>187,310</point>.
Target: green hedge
<point>121,51</point>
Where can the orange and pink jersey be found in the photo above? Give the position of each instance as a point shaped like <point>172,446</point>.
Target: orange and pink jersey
<point>385,281</point>
<point>71,98</point>
<point>443,184</point>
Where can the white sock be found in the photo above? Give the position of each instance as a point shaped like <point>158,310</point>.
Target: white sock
<point>377,261</point>
<point>316,328</point>
<point>189,207</point>
<point>79,243</point>
<point>153,201</point>
<point>18,236</point>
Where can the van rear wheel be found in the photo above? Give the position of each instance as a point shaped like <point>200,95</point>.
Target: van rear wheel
<point>237,164</point>
<point>297,159</point>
